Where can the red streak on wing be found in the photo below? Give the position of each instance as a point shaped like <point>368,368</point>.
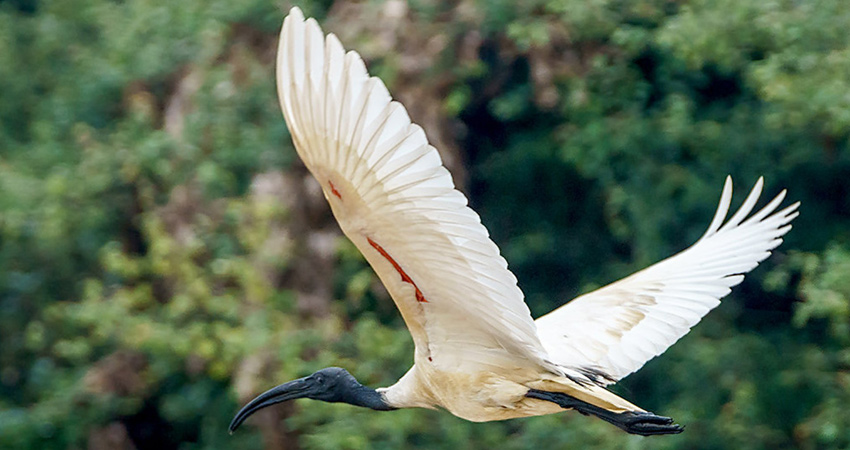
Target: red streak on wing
<point>333,190</point>
<point>404,277</point>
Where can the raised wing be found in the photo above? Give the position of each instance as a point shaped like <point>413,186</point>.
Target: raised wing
<point>394,199</point>
<point>618,328</point>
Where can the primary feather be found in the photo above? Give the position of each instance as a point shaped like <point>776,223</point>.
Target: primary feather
<point>618,328</point>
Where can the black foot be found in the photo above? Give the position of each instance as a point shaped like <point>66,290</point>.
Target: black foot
<point>645,423</point>
<point>642,423</point>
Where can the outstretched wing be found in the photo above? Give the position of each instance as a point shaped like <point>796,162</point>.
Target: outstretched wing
<point>618,328</point>
<point>394,199</point>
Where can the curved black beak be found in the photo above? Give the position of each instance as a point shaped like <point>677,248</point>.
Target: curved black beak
<point>299,388</point>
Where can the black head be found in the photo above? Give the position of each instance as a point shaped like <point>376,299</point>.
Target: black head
<point>332,384</point>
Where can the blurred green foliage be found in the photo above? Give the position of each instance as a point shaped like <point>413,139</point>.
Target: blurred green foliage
<point>144,287</point>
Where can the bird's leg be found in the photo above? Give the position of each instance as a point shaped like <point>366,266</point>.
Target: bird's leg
<point>634,422</point>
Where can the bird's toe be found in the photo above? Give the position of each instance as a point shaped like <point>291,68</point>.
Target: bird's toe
<point>650,429</point>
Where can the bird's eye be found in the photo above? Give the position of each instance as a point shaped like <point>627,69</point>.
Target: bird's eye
<point>320,379</point>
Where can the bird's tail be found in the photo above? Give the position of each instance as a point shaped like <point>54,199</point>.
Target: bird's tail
<point>632,420</point>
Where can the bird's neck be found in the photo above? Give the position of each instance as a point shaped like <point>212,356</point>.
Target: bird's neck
<point>368,398</point>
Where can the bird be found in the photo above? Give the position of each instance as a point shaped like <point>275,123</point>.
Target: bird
<point>478,352</point>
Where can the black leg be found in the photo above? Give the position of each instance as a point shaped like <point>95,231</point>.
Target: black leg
<point>642,423</point>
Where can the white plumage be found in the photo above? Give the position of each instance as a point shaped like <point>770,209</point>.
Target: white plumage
<point>478,351</point>
<point>621,326</point>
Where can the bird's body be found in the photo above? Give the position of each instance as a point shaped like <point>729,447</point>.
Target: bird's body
<point>491,395</point>
<point>479,354</point>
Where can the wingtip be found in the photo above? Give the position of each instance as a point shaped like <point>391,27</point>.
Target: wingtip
<point>790,212</point>
<point>726,194</point>
<point>296,13</point>
<point>747,207</point>
<point>332,39</point>
<point>722,209</point>
<point>727,188</point>
<point>759,186</point>
<point>314,25</point>
<point>781,196</point>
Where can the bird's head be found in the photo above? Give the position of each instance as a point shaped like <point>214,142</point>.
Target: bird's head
<point>331,384</point>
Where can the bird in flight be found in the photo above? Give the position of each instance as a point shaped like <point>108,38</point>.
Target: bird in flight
<point>478,352</point>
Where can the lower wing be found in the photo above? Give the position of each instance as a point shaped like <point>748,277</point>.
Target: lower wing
<point>615,330</point>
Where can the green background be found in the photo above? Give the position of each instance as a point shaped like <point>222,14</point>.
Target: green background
<point>164,255</point>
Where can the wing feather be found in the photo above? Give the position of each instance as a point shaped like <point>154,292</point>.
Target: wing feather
<point>618,328</point>
<point>397,203</point>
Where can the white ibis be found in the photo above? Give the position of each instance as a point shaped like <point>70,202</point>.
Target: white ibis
<point>479,354</point>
